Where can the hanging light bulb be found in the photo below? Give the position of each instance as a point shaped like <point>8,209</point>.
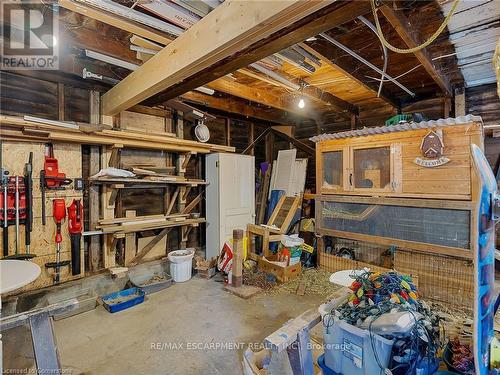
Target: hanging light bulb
<point>301,103</point>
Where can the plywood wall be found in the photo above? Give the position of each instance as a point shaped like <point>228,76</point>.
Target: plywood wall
<point>15,155</point>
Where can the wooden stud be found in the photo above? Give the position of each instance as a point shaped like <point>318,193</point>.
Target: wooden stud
<point>60,101</point>
<point>130,242</point>
<point>459,102</point>
<point>228,131</point>
<point>93,200</point>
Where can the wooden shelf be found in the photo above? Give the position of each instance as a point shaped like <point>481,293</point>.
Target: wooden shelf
<point>128,183</point>
<point>154,225</point>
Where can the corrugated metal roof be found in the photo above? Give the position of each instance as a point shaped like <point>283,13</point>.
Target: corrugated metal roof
<point>398,128</point>
<point>474,30</point>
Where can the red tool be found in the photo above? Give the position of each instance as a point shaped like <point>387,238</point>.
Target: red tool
<point>59,213</point>
<point>50,177</point>
<point>75,227</point>
<point>53,178</point>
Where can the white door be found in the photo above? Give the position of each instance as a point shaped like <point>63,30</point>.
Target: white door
<point>237,193</point>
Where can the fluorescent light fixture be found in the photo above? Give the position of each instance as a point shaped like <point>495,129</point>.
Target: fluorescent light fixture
<point>205,90</point>
<point>110,60</point>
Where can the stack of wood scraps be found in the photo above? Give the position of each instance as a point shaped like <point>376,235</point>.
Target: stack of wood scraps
<point>146,176</point>
<point>142,223</point>
<point>45,130</point>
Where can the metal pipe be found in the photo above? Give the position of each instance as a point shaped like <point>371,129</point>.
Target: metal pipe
<point>366,62</point>
<point>372,27</point>
<point>276,76</point>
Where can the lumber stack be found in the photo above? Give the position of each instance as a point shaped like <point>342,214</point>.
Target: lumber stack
<point>148,222</point>
<point>43,130</point>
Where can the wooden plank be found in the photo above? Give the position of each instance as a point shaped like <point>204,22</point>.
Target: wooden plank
<point>116,21</point>
<point>106,137</point>
<point>257,95</point>
<point>425,203</point>
<point>130,238</point>
<point>239,26</point>
<point>406,31</point>
<point>239,107</point>
<point>151,244</point>
<point>409,245</point>
<point>60,101</point>
<point>459,102</point>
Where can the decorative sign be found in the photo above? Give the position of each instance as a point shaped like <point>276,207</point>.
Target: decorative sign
<point>429,163</point>
<point>432,147</point>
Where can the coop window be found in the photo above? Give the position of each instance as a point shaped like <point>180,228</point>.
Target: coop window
<point>444,227</point>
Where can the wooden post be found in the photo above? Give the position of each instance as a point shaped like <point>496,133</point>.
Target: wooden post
<point>237,257</point>
<point>180,169</point>
<point>447,107</point>
<point>130,242</point>
<point>93,203</point>
<point>459,102</point>
<point>251,137</point>
<point>60,101</point>
<point>270,147</point>
<point>228,131</point>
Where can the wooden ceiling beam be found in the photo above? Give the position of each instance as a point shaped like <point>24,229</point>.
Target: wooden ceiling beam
<point>239,107</point>
<point>116,21</point>
<point>229,29</point>
<point>404,29</point>
<point>258,95</point>
<point>347,71</point>
<point>309,91</point>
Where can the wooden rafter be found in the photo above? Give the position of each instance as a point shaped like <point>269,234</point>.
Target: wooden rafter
<point>402,26</point>
<point>116,21</point>
<point>347,73</point>
<point>257,95</point>
<point>309,91</point>
<point>237,106</point>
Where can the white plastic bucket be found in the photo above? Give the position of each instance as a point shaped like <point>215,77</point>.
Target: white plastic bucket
<point>181,264</point>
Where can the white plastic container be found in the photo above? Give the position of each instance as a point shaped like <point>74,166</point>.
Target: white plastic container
<point>354,351</point>
<point>181,264</point>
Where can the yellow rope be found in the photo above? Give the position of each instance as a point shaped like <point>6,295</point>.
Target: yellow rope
<point>423,45</point>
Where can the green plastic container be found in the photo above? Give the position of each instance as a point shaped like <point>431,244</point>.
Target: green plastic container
<point>394,120</point>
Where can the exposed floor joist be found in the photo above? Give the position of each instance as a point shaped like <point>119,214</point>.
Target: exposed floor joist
<point>235,48</point>
<point>238,107</point>
<point>308,90</point>
<point>402,26</point>
<point>257,95</point>
<point>347,73</point>
<point>116,21</point>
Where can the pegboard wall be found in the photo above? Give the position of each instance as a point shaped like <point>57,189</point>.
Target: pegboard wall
<point>14,157</point>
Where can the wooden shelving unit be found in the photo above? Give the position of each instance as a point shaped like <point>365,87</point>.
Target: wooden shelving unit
<point>176,199</point>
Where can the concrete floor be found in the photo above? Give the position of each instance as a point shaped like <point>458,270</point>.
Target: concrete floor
<point>195,313</point>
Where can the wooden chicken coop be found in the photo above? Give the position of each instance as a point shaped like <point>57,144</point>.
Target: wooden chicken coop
<point>403,197</point>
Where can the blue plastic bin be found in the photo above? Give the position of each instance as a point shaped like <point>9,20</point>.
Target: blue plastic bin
<point>351,351</point>
<point>122,300</point>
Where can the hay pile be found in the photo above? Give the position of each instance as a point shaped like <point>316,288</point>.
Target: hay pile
<point>316,282</point>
